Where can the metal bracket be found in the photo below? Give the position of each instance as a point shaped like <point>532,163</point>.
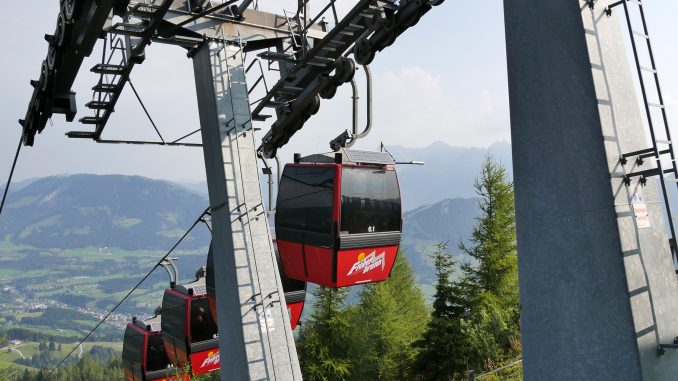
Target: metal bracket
<point>661,348</point>
<point>610,6</point>
<point>347,138</point>
<point>643,175</point>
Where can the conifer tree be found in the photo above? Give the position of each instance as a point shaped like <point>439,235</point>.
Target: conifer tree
<point>324,345</point>
<point>475,318</point>
<point>388,319</point>
<point>493,239</point>
<point>490,280</point>
<point>443,349</point>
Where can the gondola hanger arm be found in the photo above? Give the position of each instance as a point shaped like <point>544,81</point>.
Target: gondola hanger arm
<point>348,138</point>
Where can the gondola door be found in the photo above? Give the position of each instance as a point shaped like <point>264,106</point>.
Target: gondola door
<point>189,332</point>
<point>306,221</point>
<point>370,224</point>
<point>203,336</point>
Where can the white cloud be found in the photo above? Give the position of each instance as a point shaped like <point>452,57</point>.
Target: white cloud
<point>414,107</point>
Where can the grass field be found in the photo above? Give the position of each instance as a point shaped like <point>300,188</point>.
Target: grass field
<point>87,280</point>
<point>22,315</point>
<point>29,349</point>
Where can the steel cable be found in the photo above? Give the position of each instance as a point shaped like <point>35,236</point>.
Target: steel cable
<point>11,173</point>
<point>158,264</point>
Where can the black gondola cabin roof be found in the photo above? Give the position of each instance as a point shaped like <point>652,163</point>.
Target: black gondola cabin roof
<point>150,324</point>
<point>195,288</point>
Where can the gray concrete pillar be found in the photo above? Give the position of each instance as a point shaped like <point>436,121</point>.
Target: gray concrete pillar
<point>597,284</point>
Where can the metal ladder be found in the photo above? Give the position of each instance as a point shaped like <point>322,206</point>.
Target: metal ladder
<point>258,279</point>
<point>261,78</point>
<point>296,42</point>
<point>240,219</point>
<point>662,146</point>
<point>127,39</point>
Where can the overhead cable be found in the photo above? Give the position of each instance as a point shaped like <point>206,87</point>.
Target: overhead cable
<point>510,365</point>
<point>11,173</point>
<point>158,264</point>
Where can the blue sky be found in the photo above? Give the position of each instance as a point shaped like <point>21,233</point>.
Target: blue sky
<point>443,80</point>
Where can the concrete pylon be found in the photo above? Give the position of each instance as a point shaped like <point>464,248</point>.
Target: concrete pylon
<point>597,283</point>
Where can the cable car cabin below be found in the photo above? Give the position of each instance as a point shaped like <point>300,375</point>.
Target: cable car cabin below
<point>188,330</point>
<point>295,291</point>
<point>143,353</point>
<point>338,218</point>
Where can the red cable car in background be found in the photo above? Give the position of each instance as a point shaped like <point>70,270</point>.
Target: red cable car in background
<point>188,330</point>
<point>143,353</point>
<point>338,218</point>
<point>295,291</point>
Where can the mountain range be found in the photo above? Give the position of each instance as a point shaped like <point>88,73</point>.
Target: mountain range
<point>137,213</point>
<point>129,212</point>
<point>448,172</point>
<point>448,221</point>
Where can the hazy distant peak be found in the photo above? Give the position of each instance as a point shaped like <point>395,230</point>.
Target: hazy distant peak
<point>439,145</point>
<point>443,206</point>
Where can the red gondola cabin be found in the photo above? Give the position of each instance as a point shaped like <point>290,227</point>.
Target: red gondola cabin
<point>143,353</point>
<point>188,330</point>
<point>295,291</point>
<point>338,218</point>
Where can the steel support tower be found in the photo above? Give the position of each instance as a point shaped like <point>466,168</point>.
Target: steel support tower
<point>251,303</point>
<point>255,336</point>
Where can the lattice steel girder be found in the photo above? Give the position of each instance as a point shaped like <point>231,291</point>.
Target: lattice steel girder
<point>255,24</point>
<point>369,27</point>
<point>84,33</point>
<point>258,29</point>
<point>255,336</point>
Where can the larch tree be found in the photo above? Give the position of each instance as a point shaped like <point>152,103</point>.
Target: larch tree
<point>389,317</point>
<point>324,345</point>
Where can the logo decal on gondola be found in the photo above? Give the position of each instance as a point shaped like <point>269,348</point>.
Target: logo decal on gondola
<point>368,263</point>
<point>212,359</point>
